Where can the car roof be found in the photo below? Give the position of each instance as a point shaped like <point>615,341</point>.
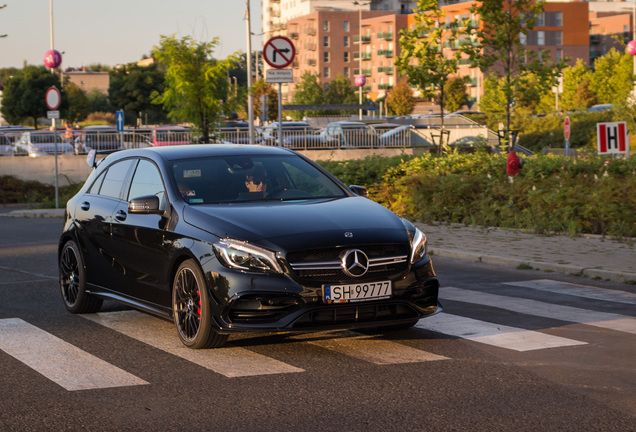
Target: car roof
<point>170,128</point>
<point>191,151</point>
<point>100,127</point>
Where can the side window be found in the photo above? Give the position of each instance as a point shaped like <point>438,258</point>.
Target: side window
<point>146,181</point>
<point>115,178</point>
<point>94,189</point>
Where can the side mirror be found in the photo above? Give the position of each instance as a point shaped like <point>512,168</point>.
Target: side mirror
<point>145,205</point>
<point>90,158</point>
<point>360,191</point>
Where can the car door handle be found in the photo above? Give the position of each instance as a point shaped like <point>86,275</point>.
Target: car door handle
<point>85,206</point>
<point>121,215</point>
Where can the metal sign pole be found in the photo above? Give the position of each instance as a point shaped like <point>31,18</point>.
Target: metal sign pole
<point>280,115</point>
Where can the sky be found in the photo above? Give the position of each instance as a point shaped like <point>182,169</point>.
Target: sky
<point>113,32</point>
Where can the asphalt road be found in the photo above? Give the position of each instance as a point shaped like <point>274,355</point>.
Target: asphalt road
<point>513,350</point>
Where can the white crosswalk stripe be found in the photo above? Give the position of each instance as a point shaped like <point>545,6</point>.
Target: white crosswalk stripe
<point>606,320</point>
<point>371,348</point>
<point>75,369</point>
<point>230,362</point>
<point>493,334</point>
<point>577,290</point>
<point>59,361</point>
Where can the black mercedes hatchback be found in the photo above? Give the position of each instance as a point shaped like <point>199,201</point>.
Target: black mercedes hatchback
<point>236,238</point>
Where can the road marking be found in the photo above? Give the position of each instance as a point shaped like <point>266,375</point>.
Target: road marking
<point>369,348</point>
<point>577,290</point>
<point>59,361</point>
<point>606,320</point>
<point>229,361</point>
<point>493,334</point>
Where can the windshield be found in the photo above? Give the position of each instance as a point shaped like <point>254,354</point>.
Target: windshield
<point>232,179</point>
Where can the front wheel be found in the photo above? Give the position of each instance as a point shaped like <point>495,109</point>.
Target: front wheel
<point>191,309</point>
<point>73,281</point>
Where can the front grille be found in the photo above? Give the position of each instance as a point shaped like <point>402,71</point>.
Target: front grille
<point>325,265</point>
<point>355,314</point>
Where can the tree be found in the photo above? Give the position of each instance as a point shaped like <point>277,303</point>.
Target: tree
<point>196,84</point>
<point>574,78</point>
<point>613,77</point>
<point>271,109</point>
<point>78,103</point>
<point>400,100</point>
<point>23,95</point>
<point>308,92</point>
<point>425,43</point>
<point>130,89</point>
<point>341,91</point>
<point>498,48</point>
<point>455,93</point>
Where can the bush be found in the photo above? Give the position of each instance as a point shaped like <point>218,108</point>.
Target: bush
<point>15,191</point>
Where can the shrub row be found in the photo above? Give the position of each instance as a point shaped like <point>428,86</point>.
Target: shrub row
<point>552,193</point>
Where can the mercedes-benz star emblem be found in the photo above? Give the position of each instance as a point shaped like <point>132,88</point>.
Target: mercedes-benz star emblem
<point>355,263</point>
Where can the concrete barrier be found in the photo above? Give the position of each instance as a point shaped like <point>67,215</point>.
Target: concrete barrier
<point>73,169</point>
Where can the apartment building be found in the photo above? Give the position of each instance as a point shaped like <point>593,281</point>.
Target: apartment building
<point>276,13</point>
<point>328,43</point>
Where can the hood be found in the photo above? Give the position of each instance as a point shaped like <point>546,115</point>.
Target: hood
<point>294,225</point>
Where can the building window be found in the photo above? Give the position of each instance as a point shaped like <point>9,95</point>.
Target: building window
<point>325,41</point>
<point>559,54</point>
<point>540,38</point>
<point>325,26</point>
<point>346,56</point>
<point>326,57</point>
<point>522,39</point>
<point>346,71</point>
<point>346,41</point>
<point>346,26</point>
<point>326,72</point>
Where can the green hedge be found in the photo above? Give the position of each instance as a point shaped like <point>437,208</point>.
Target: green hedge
<point>552,193</point>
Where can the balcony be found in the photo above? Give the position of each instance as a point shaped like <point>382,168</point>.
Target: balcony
<point>595,38</point>
<point>386,70</point>
<point>385,53</point>
<point>365,72</point>
<point>385,36</point>
<point>365,39</point>
<point>310,31</point>
<point>310,62</point>
<point>385,86</point>
<point>309,46</point>
<point>294,35</point>
<point>365,56</point>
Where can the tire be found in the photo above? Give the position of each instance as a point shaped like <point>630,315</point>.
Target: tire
<point>73,282</point>
<point>191,309</point>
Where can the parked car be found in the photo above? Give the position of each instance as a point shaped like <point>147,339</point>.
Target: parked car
<point>238,132</point>
<point>397,137</point>
<point>344,134</point>
<point>290,129</point>
<point>171,135</point>
<point>99,138</point>
<point>600,107</point>
<point>225,238</point>
<point>42,143</point>
<point>6,147</point>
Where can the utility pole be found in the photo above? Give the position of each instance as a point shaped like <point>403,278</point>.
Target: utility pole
<point>250,96</point>
<point>2,7</point>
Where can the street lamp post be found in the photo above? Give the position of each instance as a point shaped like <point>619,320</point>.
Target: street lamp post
<point>360,5</point>
<point>250,97</point>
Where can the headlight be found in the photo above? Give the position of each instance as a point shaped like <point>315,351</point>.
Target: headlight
<point>244,256</point>
<point>418,246</point>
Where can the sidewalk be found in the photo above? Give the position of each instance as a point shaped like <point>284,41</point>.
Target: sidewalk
<point>591,256</point>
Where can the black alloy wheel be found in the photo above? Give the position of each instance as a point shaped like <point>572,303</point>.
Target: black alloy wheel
<point>73,282</point>
<point>191,309</point>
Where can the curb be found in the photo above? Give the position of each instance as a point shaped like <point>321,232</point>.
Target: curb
<point>592,273</point>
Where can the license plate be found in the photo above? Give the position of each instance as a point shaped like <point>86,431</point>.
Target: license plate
<point>356,292</point>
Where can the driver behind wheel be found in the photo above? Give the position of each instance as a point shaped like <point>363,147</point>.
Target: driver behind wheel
<point>257,181</point>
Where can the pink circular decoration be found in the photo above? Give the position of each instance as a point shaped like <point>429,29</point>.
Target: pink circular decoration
<point>52,59</point>
<point>361,80</point>
<point>631,48</point>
